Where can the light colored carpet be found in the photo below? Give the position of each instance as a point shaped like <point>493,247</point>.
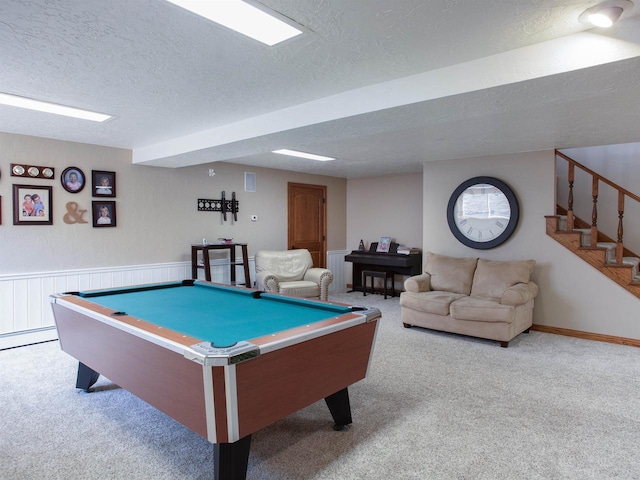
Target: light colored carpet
<point>434,406</point>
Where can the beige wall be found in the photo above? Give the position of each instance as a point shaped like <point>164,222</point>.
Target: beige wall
<point>157,217</point>
<point>573,295</point>
<point>619,165</point>
<point>158,220</point>
<point>382,207</point>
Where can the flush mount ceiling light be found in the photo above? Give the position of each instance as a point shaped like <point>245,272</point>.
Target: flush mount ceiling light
<point>310,156</point>
<point>243,18</point>
<point>31,104</point>
<point>606,13</point>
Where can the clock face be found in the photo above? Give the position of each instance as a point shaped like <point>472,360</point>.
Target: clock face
<point>482,212</point>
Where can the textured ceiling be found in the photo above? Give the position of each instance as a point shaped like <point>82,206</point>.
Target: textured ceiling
<point>382,86</point>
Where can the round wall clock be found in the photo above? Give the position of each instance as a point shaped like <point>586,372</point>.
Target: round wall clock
<point>483,212</point>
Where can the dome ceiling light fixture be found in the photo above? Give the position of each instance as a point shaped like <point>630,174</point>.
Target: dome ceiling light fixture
<point>606,13</point>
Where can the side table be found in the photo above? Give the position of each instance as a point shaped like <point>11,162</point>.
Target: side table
<point>205,248</point>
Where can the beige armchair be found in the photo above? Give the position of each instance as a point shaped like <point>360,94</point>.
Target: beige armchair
<point>291,272</point>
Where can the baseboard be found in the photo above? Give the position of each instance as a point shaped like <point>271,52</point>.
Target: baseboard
<point>12,340</point>
<point>598,337</point>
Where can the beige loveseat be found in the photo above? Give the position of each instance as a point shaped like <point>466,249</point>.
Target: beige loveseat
<point>471,296</point>
<point>291,272</point>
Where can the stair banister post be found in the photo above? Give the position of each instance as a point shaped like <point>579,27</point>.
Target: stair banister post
<point>619,246</point>
<point>570,199</point>
<point>594,212</point>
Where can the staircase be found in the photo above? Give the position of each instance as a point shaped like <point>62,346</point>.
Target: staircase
<point>609,256</point>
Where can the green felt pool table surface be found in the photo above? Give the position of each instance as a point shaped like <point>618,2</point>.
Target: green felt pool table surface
<point>214,313</point>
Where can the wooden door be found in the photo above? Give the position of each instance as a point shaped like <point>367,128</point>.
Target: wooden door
<point>307,225</point>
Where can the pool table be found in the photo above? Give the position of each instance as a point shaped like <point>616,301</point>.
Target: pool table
<point>224,361</point>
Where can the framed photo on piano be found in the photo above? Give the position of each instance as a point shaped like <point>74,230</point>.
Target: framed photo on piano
<point>383,245</point>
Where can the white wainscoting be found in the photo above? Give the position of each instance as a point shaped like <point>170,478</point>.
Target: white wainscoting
<point>337,265</point>
<point>25,310</point>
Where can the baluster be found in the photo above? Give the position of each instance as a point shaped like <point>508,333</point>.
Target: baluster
<point>619,247</point>
<point>570,199</point>
<point>594,212</point>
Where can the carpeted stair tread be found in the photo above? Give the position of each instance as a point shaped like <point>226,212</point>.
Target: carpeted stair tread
<point>633,262</point>
<point>611,250</point>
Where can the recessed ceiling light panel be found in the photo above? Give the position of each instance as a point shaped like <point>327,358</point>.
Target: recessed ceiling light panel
<point>310,156</point>
<point>243,18</point>
<point>40,106</point>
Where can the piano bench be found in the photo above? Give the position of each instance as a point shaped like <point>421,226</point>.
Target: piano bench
<point>373,275</point>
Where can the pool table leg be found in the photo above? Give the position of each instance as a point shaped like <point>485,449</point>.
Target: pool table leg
<point>230,459</point>
<point>86,377</point>
<point>340,409</point>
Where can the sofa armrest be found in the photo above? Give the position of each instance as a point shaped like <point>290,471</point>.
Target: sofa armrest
<point>267,282</point>
<point>322,277</point>
<point>519,294</point>
<point>418,283</point>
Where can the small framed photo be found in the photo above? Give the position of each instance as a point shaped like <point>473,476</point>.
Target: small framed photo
<point>72,179</point>
<point>383,245</point>
<point>104,183</point>
<point>104,214</point>
<point>32,205</point>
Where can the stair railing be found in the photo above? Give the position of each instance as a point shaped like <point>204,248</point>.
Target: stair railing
<point>595,180</point>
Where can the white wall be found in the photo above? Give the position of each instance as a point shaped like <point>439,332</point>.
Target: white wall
<point>573,294</point>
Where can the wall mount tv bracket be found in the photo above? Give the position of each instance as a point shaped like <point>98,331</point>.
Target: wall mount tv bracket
<point>223,205</point>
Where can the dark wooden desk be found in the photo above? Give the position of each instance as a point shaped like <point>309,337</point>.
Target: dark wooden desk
<point>232,260</point>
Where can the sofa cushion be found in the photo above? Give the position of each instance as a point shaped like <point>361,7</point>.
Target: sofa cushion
<point>450,274</point>
<point>482,310</point>
<point>492,278</point>
<point>429,302</point>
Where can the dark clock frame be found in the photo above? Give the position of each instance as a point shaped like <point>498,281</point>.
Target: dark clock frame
<point>511,225</point>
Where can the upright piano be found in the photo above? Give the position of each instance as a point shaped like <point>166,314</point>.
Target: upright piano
<point>397,263</point>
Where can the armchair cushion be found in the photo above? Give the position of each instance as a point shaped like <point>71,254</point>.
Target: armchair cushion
<point>300,288</point>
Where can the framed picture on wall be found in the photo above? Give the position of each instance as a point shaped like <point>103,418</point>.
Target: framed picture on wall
<point>104,214</point>
<point>103,183</point>
<point>32,205</point>
<point>72,179</point>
